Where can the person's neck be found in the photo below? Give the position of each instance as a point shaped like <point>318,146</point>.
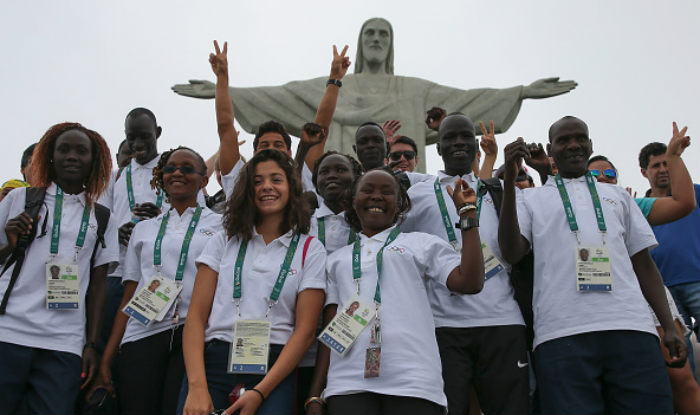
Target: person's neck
<point>371,232</point>
<point>335,206</point>
<point>72,188</point>
<point>572,174</point>
<point>369,166</point>
<point>270,227</point>
<point>660,191</point>
<point>181,205</point>
<point>147,161</point>
<point>457,171</point>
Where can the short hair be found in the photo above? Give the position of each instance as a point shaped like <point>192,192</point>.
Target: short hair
<point>651,149</point>
<point>272,127</point>
<point>241,215</point>
<point>403,201</point>
<point>405,140</point>
<point>157,180</point>
<point>372,123</point>
<point>27,156</point>
<point>565,118</point>
<point>600,158</point>
<point>141,111</point>
<point>355,165</point>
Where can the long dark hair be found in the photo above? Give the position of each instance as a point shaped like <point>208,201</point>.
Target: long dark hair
<point>403,202</point>
<point>241,214</point>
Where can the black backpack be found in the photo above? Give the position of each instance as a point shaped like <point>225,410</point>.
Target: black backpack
<point>34,200</point>
<point>521,274</point>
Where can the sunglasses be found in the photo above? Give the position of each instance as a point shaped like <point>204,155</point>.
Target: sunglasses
<point>609,173</point>
<point>396,155</point>
<point>183,169</point>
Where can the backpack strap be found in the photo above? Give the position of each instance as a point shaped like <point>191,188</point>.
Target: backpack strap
<point>102,214</point>
<point>493,187</point>
<point>306,248</point>
<point>119,173</point>
<point>33,201</point>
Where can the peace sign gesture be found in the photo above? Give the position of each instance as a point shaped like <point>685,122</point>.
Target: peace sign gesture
<point>218,60</point>
<point>340,64</point>
<point>488,139</point>
<point>679,141</point>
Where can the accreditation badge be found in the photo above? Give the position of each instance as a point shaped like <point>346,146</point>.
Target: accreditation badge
<point>153,300</point>
<point>62,286</point>
<point>250,348</point>
<point>492,265</point>
<point>346,326</point>
<point>593,272</point>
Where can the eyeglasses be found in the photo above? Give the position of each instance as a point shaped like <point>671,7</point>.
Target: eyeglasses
<point>609,173</point>
<point>183,169</point>
<point>396,155</point>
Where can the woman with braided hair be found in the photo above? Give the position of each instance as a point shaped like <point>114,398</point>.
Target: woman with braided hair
<point>160,263</point>
<point>49,326</point>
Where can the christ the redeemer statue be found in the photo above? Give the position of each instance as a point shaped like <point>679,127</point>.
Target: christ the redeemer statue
<point>374,93</point>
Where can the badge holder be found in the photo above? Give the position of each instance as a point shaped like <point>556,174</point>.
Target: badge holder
<point>62,286</point>
<point>492,265</point>
<point>250,348</point>
<point>152,302</point>
<point>342,332</point>
<point>593,271</point>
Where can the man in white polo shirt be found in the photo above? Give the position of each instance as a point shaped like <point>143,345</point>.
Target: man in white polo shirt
<point>481,337</point>
<point>596,349</point>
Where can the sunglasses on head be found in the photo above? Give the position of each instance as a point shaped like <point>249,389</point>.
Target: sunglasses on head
<point>396,155</point>
<point>609,173</point>
<point>183,169</point>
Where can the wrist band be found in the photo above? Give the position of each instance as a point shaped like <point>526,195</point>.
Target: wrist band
<point>466,208</point>
<point>312,400</point>
<point>335,82</point>
<point>259,393</point>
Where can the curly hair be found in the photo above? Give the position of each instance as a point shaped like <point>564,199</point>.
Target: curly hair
<point>403,202</point>
<point>157,180</point>
<point>356,166</point>
<point>241,214</point>
<point>43,172</point>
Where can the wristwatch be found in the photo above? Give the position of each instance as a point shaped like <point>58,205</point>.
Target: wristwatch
<point>336,82</point>
<point>467,223</point>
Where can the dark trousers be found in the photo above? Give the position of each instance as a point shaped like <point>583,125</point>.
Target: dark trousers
<point>368,403</point>
<point>604,372</point>
<point>151,371</point>
<point>37,381</point>
<point>494,360</point>
<point>220,383</point>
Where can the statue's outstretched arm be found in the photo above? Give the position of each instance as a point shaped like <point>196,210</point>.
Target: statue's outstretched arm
<point>547,87</point>
<point>196,89</point>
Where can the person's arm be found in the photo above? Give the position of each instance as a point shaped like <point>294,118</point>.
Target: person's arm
<point>653,289</point>
<point>682,199</point>
<point>211,163</point>
<point>309,303</point>
<point>468,277</point>
<point>490,148</point>
<point>326,108</point>
<point>323,359</point>
<point>539,161</point>
<point>95,305</point>
<point>228,136</point>
<point>198,399</point>
<point>514,246</point>
<point>313,136</point>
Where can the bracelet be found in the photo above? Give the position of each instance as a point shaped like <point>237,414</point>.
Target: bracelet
<point>335,82</point>
<point>259,393</point>
<point>313,399</point>
<point>466,208</point>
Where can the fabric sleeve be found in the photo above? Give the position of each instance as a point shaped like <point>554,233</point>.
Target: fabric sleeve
<point>307,183</point>
<point>645,204</point>
<point>213,251</point>
<point>524,214</point>
<point>109,254</point>
<point>132,260</point>
<point>313,274</point>
<point>438,258</point>
<point>638,233</point>
<point>331,284</point>
<point>228,181</point>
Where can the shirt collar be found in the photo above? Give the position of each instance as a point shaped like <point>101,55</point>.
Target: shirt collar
<point>284,239</point>
<point>324,211</point>
<point>446,179</point>
<point>150,165</point>
<point>381,236</point>
<point>552,182</point>
<point>80,197</point>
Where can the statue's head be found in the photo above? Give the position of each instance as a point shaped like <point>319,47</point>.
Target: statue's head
<point>375,44</point>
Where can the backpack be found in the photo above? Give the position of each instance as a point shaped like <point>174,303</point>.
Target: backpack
<point>521,274</point>
<point>34,200</point>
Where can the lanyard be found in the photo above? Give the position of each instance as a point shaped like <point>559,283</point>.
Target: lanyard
<point>322,232</point>
<point>357,266</point>
<point>569,210</point>
<point>56,228</point>
<point>281,277</point>
<point>446,221</point>
<point>185,243</point>
<point>130,191</point>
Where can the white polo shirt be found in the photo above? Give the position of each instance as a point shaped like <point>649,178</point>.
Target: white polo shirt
<point>414,177</point>
<point>560,310</point>
<point>410,361</point>
<point>27,322</point>
<point>260,268</point>
<point>495,304</point>
<point>139,267</point>
<point>228,181</point>
<point>337,230</point>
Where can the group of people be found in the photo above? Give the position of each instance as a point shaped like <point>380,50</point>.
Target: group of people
<point>326,282</point>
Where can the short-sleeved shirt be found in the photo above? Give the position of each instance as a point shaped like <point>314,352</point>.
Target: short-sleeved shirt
<point>410,363</point>
<point>27,321</point>
<point>559,309</point>
<point>645,204</point>
<point>139,266</point>
<point>495,304</point>
<point>260,269</point>
<point>337,230</point>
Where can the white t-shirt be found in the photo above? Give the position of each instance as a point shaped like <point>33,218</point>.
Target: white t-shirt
<point>27,322</point>
<point>260,268</point>
<point>410,361</point>
<point>495,304</point>
<point>139,261</point>
<point>559,309</point>
<point>228,181</point>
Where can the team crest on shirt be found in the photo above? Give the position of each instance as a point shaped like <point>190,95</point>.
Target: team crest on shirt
<point>292,272</point>
<point>92,227</point>
<point>207,233</point>
<point>395,248</point>
<point>609,201</point>
<point>487,201</point>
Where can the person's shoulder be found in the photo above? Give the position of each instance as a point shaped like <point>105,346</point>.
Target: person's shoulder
<point>339,254</point>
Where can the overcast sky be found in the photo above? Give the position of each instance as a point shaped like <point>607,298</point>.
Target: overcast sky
<point>637,63</point>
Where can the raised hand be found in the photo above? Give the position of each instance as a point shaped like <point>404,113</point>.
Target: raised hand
<point>218,60</point>
<point>488,140</point>
<point>462,193</point>
<point>679,141</point>
<point>196,89</point>
<point>390,128</point>
<point>538,159</point>
<point>435,117</point>
<point>514,154</point>
<point>548,87</point>
<point>312,134</point>
<point>340,64</point>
